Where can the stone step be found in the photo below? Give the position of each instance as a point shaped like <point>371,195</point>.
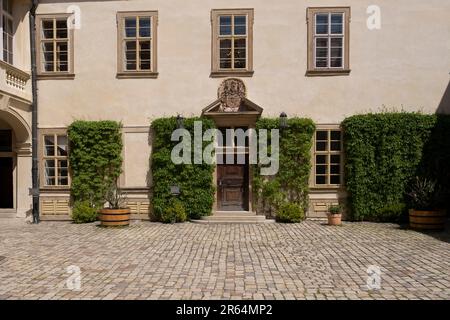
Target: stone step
<point>228,217</point>
<point>205,221</point>
<point>234,218</point>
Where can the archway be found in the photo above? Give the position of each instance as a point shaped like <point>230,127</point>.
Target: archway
<point>15,162</point>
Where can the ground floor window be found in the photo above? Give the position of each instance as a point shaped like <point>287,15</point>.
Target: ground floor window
<point>328,157</point>
<point>55,160</point>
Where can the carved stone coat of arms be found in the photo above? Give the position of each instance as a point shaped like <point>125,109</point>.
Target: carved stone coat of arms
<point>231,93</point>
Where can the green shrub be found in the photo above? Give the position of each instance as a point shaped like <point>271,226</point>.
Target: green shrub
<point>393,212</point>
<point>383,153</point>
<point>290,213</point>
<point>84,212</point>
<point>174,213</point>
<point>291,183</point>
<point>95,158</point>
<point>195,180</point>
<point>335,209</point>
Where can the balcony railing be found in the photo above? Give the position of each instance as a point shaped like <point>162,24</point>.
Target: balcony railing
<point>15,82</point>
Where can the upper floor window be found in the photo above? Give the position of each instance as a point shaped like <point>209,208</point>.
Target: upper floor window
<point>328,41</point>
<point>232,32</point>
<point>137,44</point>
<point>328,157</point>
<point>54,46</point>
<point>55,160</point>
<point>6,33</point>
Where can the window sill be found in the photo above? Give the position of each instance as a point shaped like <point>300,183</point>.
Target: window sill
<point>54,189</point>
<point>231,73</point>
<point>55,76</point>
<point>325,187</point>
<point>327,72</point>
<point>137,75</point>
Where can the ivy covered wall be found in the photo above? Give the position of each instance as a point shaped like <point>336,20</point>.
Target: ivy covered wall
<point>95,158</point>
<point>290,185</point>
<point>195,180</point>
<point>384,152</point>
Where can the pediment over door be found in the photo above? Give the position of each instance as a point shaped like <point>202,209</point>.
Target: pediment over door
<point>232,108</point>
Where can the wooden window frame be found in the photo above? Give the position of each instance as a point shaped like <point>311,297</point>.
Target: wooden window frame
<point>42,74</point>
<point>122,73</point>
<point>215,63</point>
<point>310,16</point>
<point>328,152</point>
<point>4,14</point>
<point>43,157</point>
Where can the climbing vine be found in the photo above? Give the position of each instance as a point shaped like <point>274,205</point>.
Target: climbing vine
<point>95,159</point>
<point>195,180</point>
<point>290,184</point>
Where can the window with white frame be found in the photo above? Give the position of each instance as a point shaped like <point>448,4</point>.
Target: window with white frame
<point>232,41</point>
<point>55,160</point>
<point>328,44</point>
<point>55,50</point>
<point>329,40</point>
<point>7,32</point>
<point>137,43</point>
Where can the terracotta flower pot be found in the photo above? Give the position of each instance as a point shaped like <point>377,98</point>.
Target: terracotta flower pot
<point>427,219</point>
<point>334,219</point>
<point>114,217</point>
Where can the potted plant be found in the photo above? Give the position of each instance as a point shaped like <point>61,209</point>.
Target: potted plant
<point>426,202</point>
<point>334,215</point>
<point>116,214</point>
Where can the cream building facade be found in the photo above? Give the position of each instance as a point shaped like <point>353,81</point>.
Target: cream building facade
<point>137,60</point>
<point>15,109</point>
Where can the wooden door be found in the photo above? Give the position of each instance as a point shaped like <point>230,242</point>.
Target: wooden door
<point>232,187</point>
<point>6,183</point>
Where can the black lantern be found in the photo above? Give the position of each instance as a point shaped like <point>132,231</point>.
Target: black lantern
<point>283,120</point>
<point>180,121</point>
<point>175,190</point>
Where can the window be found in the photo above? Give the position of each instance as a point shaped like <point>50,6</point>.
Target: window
<point>328,157</point>
<point>232,32</point>
<point>137,44</point>
<point>328,41</point>
<point>6,33</point>
<point>55,46</point>
<point>55,160</point>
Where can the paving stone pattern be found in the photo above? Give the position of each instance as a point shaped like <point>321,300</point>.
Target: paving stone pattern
<point>192,261</point>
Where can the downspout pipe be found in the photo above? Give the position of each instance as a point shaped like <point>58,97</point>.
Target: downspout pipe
<point>34,115</point>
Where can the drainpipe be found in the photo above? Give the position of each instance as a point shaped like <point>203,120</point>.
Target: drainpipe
<point>34,115</point>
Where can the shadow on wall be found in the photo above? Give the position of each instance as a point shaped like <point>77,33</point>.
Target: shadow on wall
<point>444,105</point>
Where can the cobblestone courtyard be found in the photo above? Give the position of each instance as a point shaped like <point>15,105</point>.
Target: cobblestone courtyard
<point>192,261</point>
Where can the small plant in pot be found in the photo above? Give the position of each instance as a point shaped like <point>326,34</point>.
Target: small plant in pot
<point>334,215</point>
<point>116,214</point>
<point>426,202</point>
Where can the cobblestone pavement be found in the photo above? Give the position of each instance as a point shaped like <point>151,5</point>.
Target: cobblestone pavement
<point>192,261</point>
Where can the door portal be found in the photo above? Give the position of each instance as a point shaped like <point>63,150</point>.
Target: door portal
<point>6,183</point>
<point>232,187</point>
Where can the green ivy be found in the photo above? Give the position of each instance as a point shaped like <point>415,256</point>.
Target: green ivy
<point>383,152</point>
<point>195,180</point>
<point>291,183</point>
<point>95,158</point>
